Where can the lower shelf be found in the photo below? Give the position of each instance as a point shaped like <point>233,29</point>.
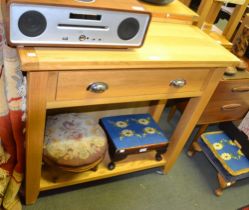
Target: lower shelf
<point>52,178</point>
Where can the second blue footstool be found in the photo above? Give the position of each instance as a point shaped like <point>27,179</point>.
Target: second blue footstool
<point>226,156</point>
<point>131,134</point>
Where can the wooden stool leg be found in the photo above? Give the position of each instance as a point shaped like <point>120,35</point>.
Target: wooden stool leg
<point>194,147</point>
<point>223,185</point>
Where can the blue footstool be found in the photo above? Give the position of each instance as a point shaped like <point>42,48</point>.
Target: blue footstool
<point>131,134</point>
<point>226,156</point>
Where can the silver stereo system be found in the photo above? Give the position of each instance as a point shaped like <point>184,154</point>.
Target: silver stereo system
<point>57,25</point>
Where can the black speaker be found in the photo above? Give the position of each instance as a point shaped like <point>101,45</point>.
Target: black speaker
<point>128,28</point>
<point>32,23</point>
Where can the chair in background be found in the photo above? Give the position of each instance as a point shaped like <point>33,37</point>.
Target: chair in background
<point>208,11</point>
<point>241,39</point>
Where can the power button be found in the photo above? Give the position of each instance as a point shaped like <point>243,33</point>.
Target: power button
<point>82,37</point>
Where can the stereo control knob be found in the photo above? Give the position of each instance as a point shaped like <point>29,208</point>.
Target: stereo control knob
<point>82,37</point>
<point>128,28</point>
<point>32,23</point>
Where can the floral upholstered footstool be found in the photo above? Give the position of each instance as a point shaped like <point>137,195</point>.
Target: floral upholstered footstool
<point>74,142</point>
<point>130,134</point>
<point>226,156</point>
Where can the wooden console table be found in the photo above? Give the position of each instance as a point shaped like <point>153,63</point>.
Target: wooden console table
<point>57,78</point>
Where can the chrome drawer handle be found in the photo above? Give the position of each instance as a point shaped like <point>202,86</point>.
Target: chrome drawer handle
<point>230,107</point>
<point>178,83</point>
<point>97,87</point>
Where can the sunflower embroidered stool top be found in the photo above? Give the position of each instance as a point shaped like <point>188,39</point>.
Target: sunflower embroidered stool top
<point>74,142</point>
<point>226,156</point>
<point>130,134</point>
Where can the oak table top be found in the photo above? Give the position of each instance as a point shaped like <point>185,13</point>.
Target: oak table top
<point>167,45</point>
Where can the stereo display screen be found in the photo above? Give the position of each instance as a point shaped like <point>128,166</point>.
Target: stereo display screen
<point>84,16</point>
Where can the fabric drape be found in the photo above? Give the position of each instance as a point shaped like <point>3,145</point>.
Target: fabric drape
<point>11,125</point>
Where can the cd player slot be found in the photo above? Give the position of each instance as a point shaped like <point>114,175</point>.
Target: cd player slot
<point>84,16</point>
<point>74,26</point>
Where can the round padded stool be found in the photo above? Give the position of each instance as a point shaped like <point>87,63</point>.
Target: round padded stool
<point>74,142</point>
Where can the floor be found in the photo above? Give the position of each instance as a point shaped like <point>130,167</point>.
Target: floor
<point>188,186</point>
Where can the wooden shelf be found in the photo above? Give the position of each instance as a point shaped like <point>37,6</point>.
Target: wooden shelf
<point>53,178</point>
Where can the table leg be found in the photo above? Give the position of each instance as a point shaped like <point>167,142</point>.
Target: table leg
<point>189,119</point>
<point>36,114</point>
<point>156,109</point>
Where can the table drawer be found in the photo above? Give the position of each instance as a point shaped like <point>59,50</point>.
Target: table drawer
<point>224,110</point>
<point>232,90</point>
<point>121,83</point>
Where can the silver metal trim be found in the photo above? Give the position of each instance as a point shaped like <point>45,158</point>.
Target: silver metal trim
<point>178,83</point>
<point>97,87</point>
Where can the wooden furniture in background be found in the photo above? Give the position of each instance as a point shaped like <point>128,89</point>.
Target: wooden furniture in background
<point>208,12</point>
<point>176,61</point>
<point>175,12</point>
<point>244,23</point>
<point>241,39</point>
<point>229,102</point>
<point>186,2</point>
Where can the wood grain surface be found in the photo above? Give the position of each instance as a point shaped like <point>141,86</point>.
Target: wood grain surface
<point>52,178</point>
<point>175,11</point>
<point>72,85</point>
<point>230,101</point>
<point>167,45</point>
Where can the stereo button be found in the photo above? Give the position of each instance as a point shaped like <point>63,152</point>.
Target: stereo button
<point>82,37</point>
